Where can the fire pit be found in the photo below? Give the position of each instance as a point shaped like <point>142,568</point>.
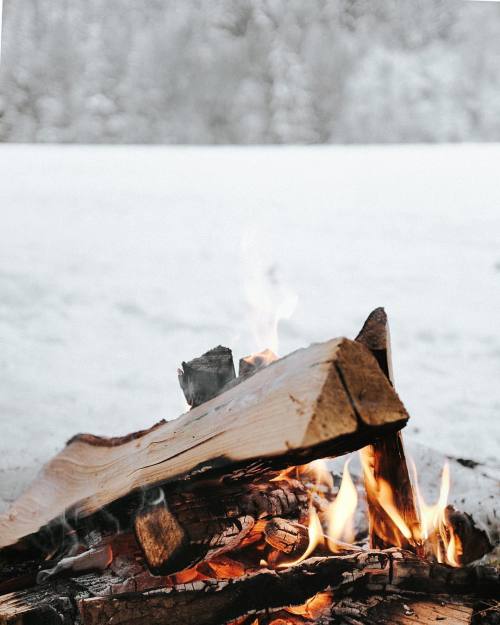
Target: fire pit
<point>230,514</point>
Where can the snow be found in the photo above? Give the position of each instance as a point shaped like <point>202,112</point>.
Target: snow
<point>117,263</point>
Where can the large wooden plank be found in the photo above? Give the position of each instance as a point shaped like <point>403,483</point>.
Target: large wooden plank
<point>327,399</point>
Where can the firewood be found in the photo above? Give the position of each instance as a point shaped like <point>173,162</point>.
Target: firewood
<point>387,452</point>
<point>181,529</point>
<point>212,602</point>
<point>203,378</point>
<point>287,536</point>
<point>251,364</point>
<point>404,609</point>
<point>328,399</point>
<point>474,541</point>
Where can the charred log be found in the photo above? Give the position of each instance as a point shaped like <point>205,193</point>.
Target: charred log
<point>474,541</point>
<point>286,536</point>
<point>213,602</point>
<point>203,378</point>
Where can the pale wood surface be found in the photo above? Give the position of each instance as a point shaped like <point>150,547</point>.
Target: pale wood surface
<point>311,397</point>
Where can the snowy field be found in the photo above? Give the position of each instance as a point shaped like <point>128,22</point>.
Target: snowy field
<point>118,263</point>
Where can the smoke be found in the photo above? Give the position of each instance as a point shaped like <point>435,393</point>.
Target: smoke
<point>268,299</point>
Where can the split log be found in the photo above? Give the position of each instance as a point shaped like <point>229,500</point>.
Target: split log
<point>212,602</point>
<point>386,455</point>
<point>332,397</point>
<point>203,378</point>
<point>178,530</point>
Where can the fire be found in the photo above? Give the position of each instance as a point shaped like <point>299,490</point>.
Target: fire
<point>320,476</point>
<point>310,611</point>
<point>381,491</point>
<point>316,538</point>
<point>257,360</point>
<point>338,514</point>
<point>436,528</point>
<point>330,526</point>
<point>315,607</point>
<point>341,513</point>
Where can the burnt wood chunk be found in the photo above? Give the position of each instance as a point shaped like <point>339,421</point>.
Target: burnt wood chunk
<point>474,541</point>
<point>203,378</point>
<point>387,456</point>
<point>287,536</point>
<point>324,400</point>
<point>200,524</point>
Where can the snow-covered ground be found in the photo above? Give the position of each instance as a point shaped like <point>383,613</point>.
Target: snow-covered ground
<point>118,263</point>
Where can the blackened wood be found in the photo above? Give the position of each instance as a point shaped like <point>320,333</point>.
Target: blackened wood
<point>181,529</point>
<point>213,602</point>
<point>387,452</point>
<point>203,378</point>
<point>474,541</point>
<point>286,535</point>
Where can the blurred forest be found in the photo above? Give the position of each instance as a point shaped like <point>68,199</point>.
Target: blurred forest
<point>250,71</point>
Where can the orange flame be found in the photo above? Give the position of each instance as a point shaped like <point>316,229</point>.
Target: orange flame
<point>391,527</point>
<point>320,476</point>
<point>314,607</point>
<point>341,513</point>
<point>315,534</point>
<point>436,529</point>
<point>258,360</point>
<point>433,531</point>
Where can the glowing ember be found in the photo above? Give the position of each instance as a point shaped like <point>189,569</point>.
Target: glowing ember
<point>315,607</point>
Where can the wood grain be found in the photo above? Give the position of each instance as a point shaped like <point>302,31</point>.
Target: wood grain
<point>323,400</point>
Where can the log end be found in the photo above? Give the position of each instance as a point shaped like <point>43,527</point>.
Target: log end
<point>356,398</point>
<point>161,537</point>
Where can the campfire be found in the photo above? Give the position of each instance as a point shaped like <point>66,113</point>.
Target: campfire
<point>233,514</point>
